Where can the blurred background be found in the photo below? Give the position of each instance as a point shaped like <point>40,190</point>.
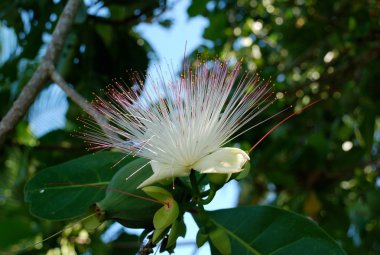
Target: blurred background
<point>323,163</point>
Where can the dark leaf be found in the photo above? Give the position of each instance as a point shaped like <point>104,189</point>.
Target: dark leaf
<point>269,230</point>
<point>65,191</point>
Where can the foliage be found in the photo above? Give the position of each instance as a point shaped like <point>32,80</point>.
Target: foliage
<point>71,197</point>
<point>312,49</point>
<point>265,231</point>
<point>251,230</point>
<point>100,47</point>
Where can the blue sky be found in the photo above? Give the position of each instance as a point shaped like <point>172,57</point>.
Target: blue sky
<point>169,43</point>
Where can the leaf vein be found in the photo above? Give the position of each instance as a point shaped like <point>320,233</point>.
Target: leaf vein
<point>69,186</point>
<point>237,238</point>
<point>287,245</point>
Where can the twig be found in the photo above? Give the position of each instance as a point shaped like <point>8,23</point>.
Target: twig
<point>147,248</point>
<point>41,75</point>
<point>76,97</point>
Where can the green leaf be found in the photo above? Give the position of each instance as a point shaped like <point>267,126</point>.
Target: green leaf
<point>68,190</point>
<point>268,230</point>
<point>178,229</point>
<point>201,238</point>
<point>125,203</point>
<point>197,7</point>
<point>14,229</point>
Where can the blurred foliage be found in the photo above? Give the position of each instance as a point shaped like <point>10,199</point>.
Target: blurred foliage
<point>101,45</point>
<point>324,163</point>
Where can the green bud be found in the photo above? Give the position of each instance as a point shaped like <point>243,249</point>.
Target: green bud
<point>158,193</point>
<point>166,182</point>
<point>166,215</point>
<point>219,179</point>
<point>244,173</point>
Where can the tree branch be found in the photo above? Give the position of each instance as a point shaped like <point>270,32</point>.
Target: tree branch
<point>76,97</point>
<point>41,75</point>
<point>147,248</point>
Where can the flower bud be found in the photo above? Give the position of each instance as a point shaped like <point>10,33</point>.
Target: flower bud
<point>219,179</point>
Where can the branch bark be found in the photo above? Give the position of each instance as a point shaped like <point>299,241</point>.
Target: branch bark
<point>41,75</point>
<point>76,97</point>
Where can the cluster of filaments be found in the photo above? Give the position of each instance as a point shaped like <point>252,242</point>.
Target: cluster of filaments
<point>180,121</point>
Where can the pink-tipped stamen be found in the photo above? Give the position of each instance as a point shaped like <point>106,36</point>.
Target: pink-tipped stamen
<point>281,122</point>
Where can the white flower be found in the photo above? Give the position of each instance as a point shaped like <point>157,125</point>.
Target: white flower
<point>194,116</point>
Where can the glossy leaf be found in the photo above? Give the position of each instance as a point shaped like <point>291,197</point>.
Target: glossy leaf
<point>269,230</point>
<point>68,190</point>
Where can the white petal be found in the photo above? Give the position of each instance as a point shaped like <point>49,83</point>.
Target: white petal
<point>162,171</point>
<point>223,161</point>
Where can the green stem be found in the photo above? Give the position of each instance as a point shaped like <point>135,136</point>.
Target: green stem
<point>205,193</point>
<point>197,195</point>
<point>194,185</point>
<point>199,202</point>
<point>210,197</point>
<point>203,176</point>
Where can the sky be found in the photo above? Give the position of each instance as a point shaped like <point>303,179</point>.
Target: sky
<point>169,43</point>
